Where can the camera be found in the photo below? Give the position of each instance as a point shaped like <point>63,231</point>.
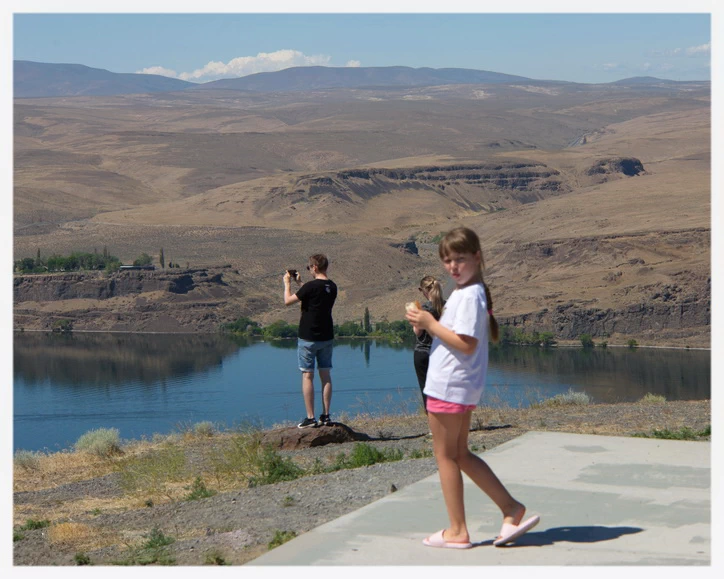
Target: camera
<point>294,274</point>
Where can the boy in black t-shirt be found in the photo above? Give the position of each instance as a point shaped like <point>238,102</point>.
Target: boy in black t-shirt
<point>316,335</point>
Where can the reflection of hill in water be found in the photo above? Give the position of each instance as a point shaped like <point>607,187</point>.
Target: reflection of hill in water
<point>117,358</point>
<point>675,374</point>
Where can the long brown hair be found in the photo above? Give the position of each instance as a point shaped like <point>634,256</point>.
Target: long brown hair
<point>433,289</point>
<point>465,240</point>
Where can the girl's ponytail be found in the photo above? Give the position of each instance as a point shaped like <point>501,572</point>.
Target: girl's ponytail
<point>433,287</point>
<point>494,330</point>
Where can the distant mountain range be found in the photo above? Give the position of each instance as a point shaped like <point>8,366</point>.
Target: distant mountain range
<point>38,79</point>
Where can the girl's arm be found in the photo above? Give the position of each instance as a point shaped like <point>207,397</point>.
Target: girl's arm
<point>426,321</point>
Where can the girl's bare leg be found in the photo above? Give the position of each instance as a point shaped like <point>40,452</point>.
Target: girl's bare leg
<point>445,430</point>
<point>482,475</point>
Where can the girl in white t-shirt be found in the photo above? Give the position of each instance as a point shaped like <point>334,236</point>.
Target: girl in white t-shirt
<point>454,384</point>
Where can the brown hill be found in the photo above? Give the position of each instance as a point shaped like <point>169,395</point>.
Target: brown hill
<point>609,235</point>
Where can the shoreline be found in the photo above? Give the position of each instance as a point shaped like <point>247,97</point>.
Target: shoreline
<point>370,421</point>
<point>558,345</point>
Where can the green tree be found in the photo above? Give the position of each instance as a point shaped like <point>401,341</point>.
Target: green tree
<point>587,341</point>
<point>161,260</point>
<point>143,259</point>
<point>366,323</point>
<point>280,329</point>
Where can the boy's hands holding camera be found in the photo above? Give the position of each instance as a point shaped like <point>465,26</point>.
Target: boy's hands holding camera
<point>292,274</point>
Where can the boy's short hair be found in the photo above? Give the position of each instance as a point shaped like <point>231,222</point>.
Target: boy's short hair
<point>320,260</point>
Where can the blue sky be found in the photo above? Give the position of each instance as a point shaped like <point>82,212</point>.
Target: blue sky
<point>583,47</point>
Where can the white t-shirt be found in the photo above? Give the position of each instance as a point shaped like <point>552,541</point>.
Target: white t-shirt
<point>453,376</point>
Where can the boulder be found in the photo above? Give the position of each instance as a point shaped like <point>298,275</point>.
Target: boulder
<point>295,438</point>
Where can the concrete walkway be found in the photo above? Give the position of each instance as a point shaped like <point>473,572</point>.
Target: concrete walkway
<point>602,501</point>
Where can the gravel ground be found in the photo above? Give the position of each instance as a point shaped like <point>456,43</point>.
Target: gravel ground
<point>236,526</point>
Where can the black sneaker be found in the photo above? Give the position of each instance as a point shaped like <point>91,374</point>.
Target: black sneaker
<point>307,423</point>
<point>325,420</point>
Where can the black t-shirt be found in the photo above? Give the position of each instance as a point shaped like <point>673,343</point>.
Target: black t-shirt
<point>317,297</point>
<point>424,340</point>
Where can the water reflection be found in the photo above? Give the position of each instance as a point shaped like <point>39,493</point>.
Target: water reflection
<point>613,374</point>
<point>65,385</point>
<point>93,359</point>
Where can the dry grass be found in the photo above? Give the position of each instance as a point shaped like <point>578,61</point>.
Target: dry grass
<point>54,469</point>
<point>81,536</point>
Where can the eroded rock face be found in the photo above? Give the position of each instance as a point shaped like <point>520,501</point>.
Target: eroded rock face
<point>294,438</point>
<point>98,286</point>
<point>629,166</point>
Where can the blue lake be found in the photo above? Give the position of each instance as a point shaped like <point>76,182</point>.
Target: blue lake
<point>65,385</point>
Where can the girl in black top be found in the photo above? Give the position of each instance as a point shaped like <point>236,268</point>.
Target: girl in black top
<point>431,288</point>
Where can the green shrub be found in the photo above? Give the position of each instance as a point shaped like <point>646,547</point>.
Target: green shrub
<point>571,398</point>
<point>365,455</point>
<point>632,344</point>
<point>82,559</point>
<point>102,442</point>
<point>653,399</point>
<point>152,552</point>
<point>26,459</point>
<point>205,428</point>
<point>281,537</point>
<point>424,453</point>
<point>32,524</point>
<point>684,433</point>
<point>273,468</point>
<point>587,341</point>
<point>63,326</point>
<point>155,538</point>
<point>199,491</point>
<point>215,557</point>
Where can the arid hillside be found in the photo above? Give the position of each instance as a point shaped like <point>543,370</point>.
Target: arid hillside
<point>592,202</point>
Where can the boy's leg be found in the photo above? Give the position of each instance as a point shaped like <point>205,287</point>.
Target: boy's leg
<point>305,356</point>
<point>483,476</point>
<point>308,392</point>
<point>445,433</point>
<point>325,376</point>
<point>324,363</point>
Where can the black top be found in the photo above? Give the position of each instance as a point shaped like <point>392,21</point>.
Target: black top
<point>424,340</point>
<point>317,297</point>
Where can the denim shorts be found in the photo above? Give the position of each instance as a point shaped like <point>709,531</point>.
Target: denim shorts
<point>307,352</point>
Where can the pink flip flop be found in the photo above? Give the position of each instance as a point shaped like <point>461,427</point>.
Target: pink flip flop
<point>510,532</point>
<point>437,540</point>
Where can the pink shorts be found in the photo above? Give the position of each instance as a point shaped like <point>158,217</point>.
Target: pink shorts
<point>441,407</point>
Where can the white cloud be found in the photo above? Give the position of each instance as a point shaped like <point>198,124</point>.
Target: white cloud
<point>262,62</point>
<point>609,66</point>
<point>158,70</point>
<point>703,50</point>
<point>245,65</point>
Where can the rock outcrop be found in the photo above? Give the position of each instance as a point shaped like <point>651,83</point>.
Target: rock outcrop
<point>294,438</point>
